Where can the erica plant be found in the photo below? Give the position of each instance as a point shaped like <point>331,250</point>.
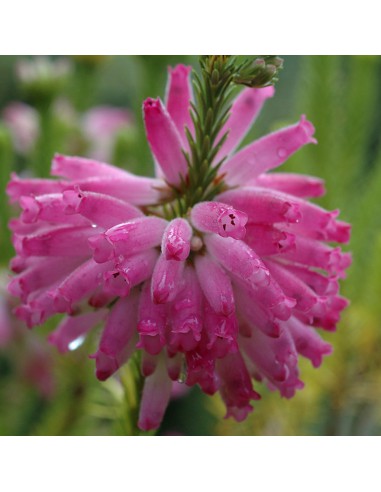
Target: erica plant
<point>216,268</point>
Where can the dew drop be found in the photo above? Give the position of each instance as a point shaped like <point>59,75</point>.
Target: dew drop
<point>76,343</point>
<point>282,153</point>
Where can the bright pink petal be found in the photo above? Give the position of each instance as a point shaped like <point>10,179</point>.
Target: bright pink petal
<point>178,97</point>
<point>59,241</point>
<point>127,239</point>
<point>151,322</point>
<point>185,314</point>
<point>267,240</point>
<point>41,274</point>
<point>263,206</point>
<point>118,337</point>
<point>50,208</point>
<point>18,187</point>
<point>236,386</point>
<point>102,210</point>
<point>130,272</point>
<point>155,398</point>
<point>176,240</point>
<point>256,315</point>
<point>215,285</point>
<point>166,280</point>
<point>219,218</point>
<point>77,168</point>
<point>238,259</point>
<point>165,141</point>
<point>79,284</point>
<point>308,342</point>
<point>267,153</point>
<point>245,109</point>
<point>72,328</point>
<point>295,184</point>
<point>132,189</point>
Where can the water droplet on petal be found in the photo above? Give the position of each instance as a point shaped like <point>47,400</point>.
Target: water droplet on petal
<point>73,345</point>
<point>282,153</point>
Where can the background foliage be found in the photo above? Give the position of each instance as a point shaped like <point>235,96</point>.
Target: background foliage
<point>43,393</point>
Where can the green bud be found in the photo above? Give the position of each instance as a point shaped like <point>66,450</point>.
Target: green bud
<point>261,72</point>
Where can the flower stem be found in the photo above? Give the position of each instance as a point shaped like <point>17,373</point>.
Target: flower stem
<point>132,382</point>
<point>213,91</point>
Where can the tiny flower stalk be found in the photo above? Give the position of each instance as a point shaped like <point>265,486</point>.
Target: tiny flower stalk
<point>215,272</point>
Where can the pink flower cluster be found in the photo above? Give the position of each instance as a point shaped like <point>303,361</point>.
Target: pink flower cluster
<point>233,290</point>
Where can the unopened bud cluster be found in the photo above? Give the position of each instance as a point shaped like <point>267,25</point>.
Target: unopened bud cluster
<point>261,72</point>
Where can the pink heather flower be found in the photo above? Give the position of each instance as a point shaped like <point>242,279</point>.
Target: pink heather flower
<point>23,123</point>
<point>100,126</point>
<point>232,290</point>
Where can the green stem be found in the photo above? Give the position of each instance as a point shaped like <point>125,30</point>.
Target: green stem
<point>213,91</point>
<point>132,382</point>
<point>6,166</point>
<point>46,144</point>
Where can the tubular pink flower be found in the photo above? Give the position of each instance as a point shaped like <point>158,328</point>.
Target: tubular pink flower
<point>177,100</point>
<point>156,395</point>
<point>50,208</point>
<point>132,189</point>
<point>166,280</point>
<point>78,168</point>
<point>127,239</point>
<point>151,323</point>
<point>244,112</point>
<point>164,140</point>
<point>58,241</point>
<point>176,240</point>
<point>185,316</point>
<point>79,284</point>
<point>263,206</point>
<point>118,337</point>
<point>73,328</point>
<point>294,184</point>
<point>17,187</point>
<point>307,341</point>
<point>98,208</point>
<point>239,259</point>
<point>219,218</point>
<point>216,291</point>
<point>236,386</point>
<point>256,315</point>
<point>267,240</point>
<point>267,153</point>
<point>215,285</point>
<point>40,274</point>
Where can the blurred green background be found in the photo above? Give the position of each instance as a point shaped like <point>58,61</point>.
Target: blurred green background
<point>44,393</point>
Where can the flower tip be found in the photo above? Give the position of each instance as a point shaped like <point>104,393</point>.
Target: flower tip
<point>102,375</point>
<point>102,249</point>
<point>239,414</point>
<point>179,70</point>
<point>57,162</point>
<point>30,209</point>
<point>71,198</point>
<point>268,91</point>
<point>308,128</point>
<point>147,424</point>
<point>150,105</point>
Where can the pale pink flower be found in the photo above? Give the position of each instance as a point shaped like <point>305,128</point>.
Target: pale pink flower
<point>231,291</point>
<point>101,126</point>
<point>23,123</point>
